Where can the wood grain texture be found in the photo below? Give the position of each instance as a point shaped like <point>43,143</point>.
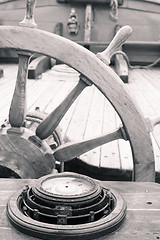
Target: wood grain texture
<point>121,67</point>
<point>23,157</point>
<point>18,104</point>
<point>88,23</point>
<point>28,20</point>
<point>38,66</point>
<point>86,115</point>
<point>142,217</point>
<point>118,40</point>
<point>49,124</point>
<point>69,151</point>
<point>102,76</point>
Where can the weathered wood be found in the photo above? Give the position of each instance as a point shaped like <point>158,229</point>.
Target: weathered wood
<point>51,122</point>
<point>118,40</point>
<point>59,29</point>
<point>88,23</point>
<point>125,153</point>
<point>141,12</point>
<point>142,216</point>
<point>121,66</point>
<point>151,123</point>
<point>102,76</point>
<point>90,1</point>
<point>18,104</point>
<point>85,117</point>
<point>71,150</point>
<point>93,125</point>
<point>24,158</point>
<point>28,20</point>
<point>38,66</point>
<point>110,152</point>
<point>43,63</point>
<point>78,116</point>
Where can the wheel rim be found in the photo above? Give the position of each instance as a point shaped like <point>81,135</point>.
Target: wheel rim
<point>103,78</point>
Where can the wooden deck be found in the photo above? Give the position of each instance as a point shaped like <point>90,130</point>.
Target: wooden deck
<point>91,114</point>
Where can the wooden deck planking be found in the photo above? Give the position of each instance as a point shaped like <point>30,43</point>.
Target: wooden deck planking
<point>125,153</point>
<point>139,94</point>
<point>150,93</point>
<point>94,123</point>
<point>41,99</point>
<point>77,123</point>
<point>109,152</point>
<point>146,88</point>
<point>59,95</point>
<point>91,114</point>
<point>152,76</point>
<point>35,93</point>
<point>7,84</point>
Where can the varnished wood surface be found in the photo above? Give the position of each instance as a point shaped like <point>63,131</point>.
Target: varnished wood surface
<point>18,104</point>
<point>91,114</point>
<point>38,66</point>
<point>143,210</point>
<point>102,76</point>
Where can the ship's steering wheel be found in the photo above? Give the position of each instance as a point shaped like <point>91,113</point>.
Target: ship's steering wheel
<point>93,71</point>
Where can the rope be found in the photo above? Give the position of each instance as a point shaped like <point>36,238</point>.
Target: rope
<point>138,66</point>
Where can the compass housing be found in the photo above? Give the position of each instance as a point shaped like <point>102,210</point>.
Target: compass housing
<point>65,206</point>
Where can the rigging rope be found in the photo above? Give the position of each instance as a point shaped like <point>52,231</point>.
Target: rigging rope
<point>138,66</point>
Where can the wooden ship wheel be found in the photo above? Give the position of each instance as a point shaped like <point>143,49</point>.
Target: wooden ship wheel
<point>69,205</point>
<point>27,154</point>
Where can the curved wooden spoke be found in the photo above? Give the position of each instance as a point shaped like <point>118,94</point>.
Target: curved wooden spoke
<point>118,40</point>
<point>49,124</point>
<point>18,104</point>
<point>71,150</point>
<point>102,76</point>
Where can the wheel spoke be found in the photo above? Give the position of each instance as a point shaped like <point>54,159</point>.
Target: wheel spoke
<point>102,77</point>
<point>71,150</point>
<point>18,104</point>
<point>49,124</point>
<point>118,40</point>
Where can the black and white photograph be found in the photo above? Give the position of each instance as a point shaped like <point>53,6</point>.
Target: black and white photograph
<point>79,119</point>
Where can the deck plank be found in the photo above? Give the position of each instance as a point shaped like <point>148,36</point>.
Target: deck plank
<point>125,153</point>
<point>94,127</point>
<point>76,128</point>
<point>109,152</point>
